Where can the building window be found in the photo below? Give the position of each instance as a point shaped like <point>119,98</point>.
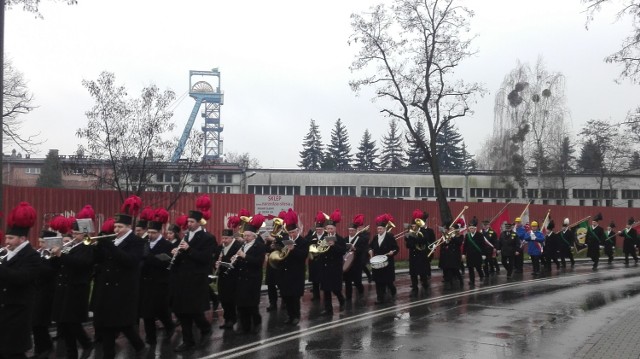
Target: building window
<point>330,191</point>
<point>630,194</point>
<point>492,193</point>
<point>608,202</point>
<point>559,202</point>
<point>224,178</point>
<point>32,171</point>
<point>530,193</point>
<point>630,203</point>
<point>425,192</point>
<point>581,203</point>
<point>196,178</point>
<point>596,193</point>
<point>553,193</point>
<point>596,202</point>
<point>280,190</point>
<point>384,192</point>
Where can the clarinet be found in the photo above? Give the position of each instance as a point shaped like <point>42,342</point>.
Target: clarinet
<point>173,259</point>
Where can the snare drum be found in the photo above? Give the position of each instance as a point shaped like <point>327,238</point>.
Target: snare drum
<point>379,262</point>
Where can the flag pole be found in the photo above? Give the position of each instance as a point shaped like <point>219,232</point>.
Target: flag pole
<point>499,213</point>
<point>525,209</point>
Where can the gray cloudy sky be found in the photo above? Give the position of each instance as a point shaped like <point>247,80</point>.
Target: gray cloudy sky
<point>284,62</point>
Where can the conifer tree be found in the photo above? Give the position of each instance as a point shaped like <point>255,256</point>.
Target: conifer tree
<point>367,156</point>
<point>311,156</point>
<point>449,148</point>
<point>415,154</point>
<point>51,173</point>
<point>392,149</point>
<point>338,155</point>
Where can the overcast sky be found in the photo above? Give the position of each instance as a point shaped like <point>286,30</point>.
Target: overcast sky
<point>284,62</point>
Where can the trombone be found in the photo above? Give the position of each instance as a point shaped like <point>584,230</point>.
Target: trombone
<point>92,241</point>
<point>445,236</point>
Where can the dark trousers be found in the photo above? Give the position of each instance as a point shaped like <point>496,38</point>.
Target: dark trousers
<point>626,256</point>
<point>74,333</point>
<point>367,272</point>
<point>328,299</point>
<point>186,322</point>
<point>609,251</point>
<point>13,356</point>
<point>381,290</point>
<point>476,267</point>
<point>507,263</point>
<point>518,262</point>
<point>41,339</point>
<point>248,316</point>
<point>451,274</point>
<point>293,306</point>
<point>229,315</point>
<point>535,261</point>
<point>349,283</point>
<point>315,287</point>
<point>570,256</point>
<point>423,280</point>
<point>491,265</point>
<point>595,259</point>
<point>109,335</point>
<point>150,325</point>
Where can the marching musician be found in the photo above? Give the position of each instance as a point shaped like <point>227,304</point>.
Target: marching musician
<point>331,264</point>
<point>384,244</point>
<point>189,282</point>
<point>491,240</point>
<point>146,215</point>
<point>72,287</point>
<point>227,278</point>
<point>551,247</point>
<point>117,282</point>
<point>18,274</point>
<point>595,238</point>
<point>248,262</point>
<point>314,266</point>
<point>154,280</point>
<point>610,241</point>
<point>508,246</point>
<point>451,256</point>
<point>521,233</point>
<point>630,241</point>
<point>173,235</point>
<point>45,285</point>
<point>271,275</point>
<point>430,235</point>
<point>292,268</point>
<point>358,245</point>
<point>417,244</point>
<point>473,251</point>
<point>567,243</point>
<point>535,240</point>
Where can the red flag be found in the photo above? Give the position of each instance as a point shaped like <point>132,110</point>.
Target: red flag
<point>496,225</point>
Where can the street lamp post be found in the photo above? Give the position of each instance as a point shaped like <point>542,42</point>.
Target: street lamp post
<point>243,182</point>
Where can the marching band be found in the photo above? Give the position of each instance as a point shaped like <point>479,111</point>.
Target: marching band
<point>152,270</point>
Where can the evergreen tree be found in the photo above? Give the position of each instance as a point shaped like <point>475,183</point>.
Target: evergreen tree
<point>468,162</point>
<point>392,149</point>
<point>338,155</point>
<point>311,156</point>
<point>51,173</point>
<point>562,165</point>
<point>635,161</point>
<point>415,154</point>
<point>591,159</point>
<point>449,148</point>
<point>367,156</point>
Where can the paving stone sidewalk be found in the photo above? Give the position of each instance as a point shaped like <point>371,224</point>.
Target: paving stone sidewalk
<point>618,339</point>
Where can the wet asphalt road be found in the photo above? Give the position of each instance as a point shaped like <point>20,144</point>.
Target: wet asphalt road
<point>526,317</point>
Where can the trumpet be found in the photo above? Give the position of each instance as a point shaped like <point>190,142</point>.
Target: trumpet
<point>4,252</point>
<point>92,241</point>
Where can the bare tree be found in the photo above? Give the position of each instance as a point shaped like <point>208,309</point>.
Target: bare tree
<point>408,52</point>
<point>243,159</point>
<point>17,101</point>
<point>128,134</point>
<point>33,5</point>
<point>629,53</point>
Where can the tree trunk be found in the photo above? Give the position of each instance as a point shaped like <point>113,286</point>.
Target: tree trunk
<point>443,205</point>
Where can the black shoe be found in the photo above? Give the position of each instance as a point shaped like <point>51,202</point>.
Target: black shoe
<point>327,312</point>
<point>86,351</point>
<point>295,321</point>
<point>272,308</point>
<point>184,347</point>
<point>414,292</point>
<point>288,321</point>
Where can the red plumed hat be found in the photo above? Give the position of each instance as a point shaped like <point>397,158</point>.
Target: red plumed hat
<point>21,219</point>
<point>147,213</point>
<point>321,218</point>
<point>282,214</point>
<point>203,204</point>
<point>358,221</point>
<point>255,223</point>
<point>244,213</point>
<point>60,224</point>
<point>290,219</point>
<point>233,222</point>
<point>131,206</point>
<point>334,218</point>
<point>383,219</point>
<point>108,227</point>
<point>86,212</point>
<point>161,215</point>
<point>181,221</point>
<point>417,214</point>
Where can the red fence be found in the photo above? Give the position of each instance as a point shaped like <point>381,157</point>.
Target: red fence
<point>107,203</point>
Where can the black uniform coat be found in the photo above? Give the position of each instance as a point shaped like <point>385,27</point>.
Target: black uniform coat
<point>508,244</point>
<point>610,242</point>
<point>154,279</point>
<point>551,245</point>
<point>630,240</point>
<point>45,286</point>
<point>491,237</point>
<point>388,273</point>
<point>594,239</point>
<point>272,274</point>
<point>72,284</point>
<point>227,277</point>
<point>331,263</point>
<point>360,256</point>
<point>117,281</point>
<point>451,253</point>
<point>417,245</point>
<point>292,269</point>
<point>190,274</point>
<point>567,241</point>
<point>474,248</point>
<point>250,275</point>
<point>17,294</point>
<point>314,264</point>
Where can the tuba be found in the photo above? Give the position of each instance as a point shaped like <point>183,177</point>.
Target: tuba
<point>278,227</point>
<point>278,256</point>
<point>321,248</point>
<point>245,220</point>
<point>389,226</point>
